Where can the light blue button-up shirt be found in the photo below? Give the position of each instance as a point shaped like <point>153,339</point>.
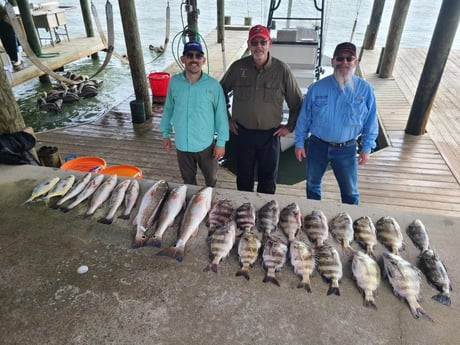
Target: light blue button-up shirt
<point>196,112</point>
<point>336,115</point>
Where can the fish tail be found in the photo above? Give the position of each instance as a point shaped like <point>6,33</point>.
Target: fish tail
<point>243,272</point>
<point>214,267</point>
<point>304,285</point>
<point>418,311</point>
<point>442,298</point>
<point>153,241</point>
<point>271,279</point>
<point>65,209</point>
<point>124,216</point>
<point>105,220</point>
<point>54,206</point>
<point>370,303</point>
<point>333,290</point>
<point>173,252</point>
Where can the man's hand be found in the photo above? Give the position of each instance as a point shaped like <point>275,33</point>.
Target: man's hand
<point>363,157</point>
<point>167,144</point>
<point>300,153</point>
<point>281,132</point>
<point>233,126</point>
<point>219,152</point>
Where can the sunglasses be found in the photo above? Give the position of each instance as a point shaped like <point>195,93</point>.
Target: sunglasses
<point>194,55</point>
<point>342,58</point>
<point>263,43</point>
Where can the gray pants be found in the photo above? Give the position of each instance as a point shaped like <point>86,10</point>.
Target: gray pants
<point>188,162</point>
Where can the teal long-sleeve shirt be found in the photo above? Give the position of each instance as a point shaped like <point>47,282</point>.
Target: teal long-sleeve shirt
<point>195,112</point>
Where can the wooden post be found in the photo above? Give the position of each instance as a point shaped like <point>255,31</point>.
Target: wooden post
<point>29,26</point>
<point>135,57</point>
<point>220,20</point>
<point>11,120</point>
<point>192,20</point>
<point>86,12</point>
<point>373,28</point>
<point>438,53</point>
<point>398,19</point>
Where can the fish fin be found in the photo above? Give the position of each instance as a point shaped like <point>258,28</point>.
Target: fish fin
<point>333,290</point>
<point>270,279</point>
<point>54,207</point>
<point>65,209</point>
<point>173,252</point>
<point>214,267</point>
<point>303,285</point>
<point>243,273</point>
<point>105,220</point>
<point>370,303</point>
<point>442,298</point>
<point>211,267</point>
<point>153,242</point>
<point>124,216</point>
<point>419,311</point>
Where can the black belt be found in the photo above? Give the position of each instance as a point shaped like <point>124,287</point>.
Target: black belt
<point>335,144</point>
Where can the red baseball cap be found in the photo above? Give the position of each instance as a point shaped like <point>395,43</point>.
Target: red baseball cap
<point>346,47</point>
<point>259,30</point>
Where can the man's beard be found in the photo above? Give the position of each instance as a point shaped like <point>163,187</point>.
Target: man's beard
<point>345,80</point>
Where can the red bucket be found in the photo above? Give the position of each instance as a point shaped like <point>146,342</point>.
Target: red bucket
<point>159,82</point>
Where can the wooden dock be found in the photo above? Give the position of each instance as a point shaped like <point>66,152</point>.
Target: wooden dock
<point>416,173</point>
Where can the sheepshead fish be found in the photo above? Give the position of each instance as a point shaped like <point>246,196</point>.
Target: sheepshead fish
<point>268,217</point>
<point>116,199</point>
<point>436,274</point>
<point>248,251</point>
<point>42,188</point>
<point>341,228</point>
<point>101,194</point>
<point>365,234</point>
<point>59,189</point>
<point>76,189</point>
<point>389,234</point>
<point>130,198</point>
<point>148,211</point>
<point>316,228</point>
<point>221,241</point>
<point>274,258</point>
<point>406,281</point>
<point>245,216</point>
<point>418,234</point>
<point>302,257</point>
<point>86,192</point>
<point>171,208</point>
<point>290,220</point>
<point>330,267</point>
<point>219,215</point>
<point>366,273</point>
<point>196,211</point>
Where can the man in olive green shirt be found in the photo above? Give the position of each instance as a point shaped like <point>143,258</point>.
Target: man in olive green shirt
<point>260,83</point>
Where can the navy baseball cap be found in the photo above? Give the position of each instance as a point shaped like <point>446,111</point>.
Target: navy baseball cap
<point>347,47</point>
<point>193,46</point>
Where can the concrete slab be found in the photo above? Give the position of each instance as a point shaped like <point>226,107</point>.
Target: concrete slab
<point>132,296</point>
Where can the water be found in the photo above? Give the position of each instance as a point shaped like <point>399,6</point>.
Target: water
<point>151,15</point>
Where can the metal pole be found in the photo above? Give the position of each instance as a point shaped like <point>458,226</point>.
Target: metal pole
<point>220,20</point>
<point>29,26</point>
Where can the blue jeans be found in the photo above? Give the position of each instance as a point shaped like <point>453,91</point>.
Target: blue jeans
<point>344,164</point>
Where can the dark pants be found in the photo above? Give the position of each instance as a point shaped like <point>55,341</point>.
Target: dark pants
<point>9,40</point>
<point>261,148</point>
<point>188,162</point>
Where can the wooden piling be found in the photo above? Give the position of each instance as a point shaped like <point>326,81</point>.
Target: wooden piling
<point>373,28</point>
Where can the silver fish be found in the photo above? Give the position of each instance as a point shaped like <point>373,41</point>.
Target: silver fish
<point>245,216</point>
<point>290,220</point>
<point>341,228</point>
<point>366,273</point>
<point>389,234</point>
<point>316,228</point>
<point>274,257</point>
<point>436,274</point>
<point>330,267</point>
<point>365,234</point>
<point>406,281</point>
<point>248,251</point>
<point>42,188</point>
<point>76,189</point>
<point>220,214</point>
<point>131,197</point>
<point>116,199</point>
<point>302,257</point>
<point>101,194</point>
<point>196,211</point>
<point>86,192</point>
<point>418,234</point>
<point>268,217</point>
<point>171,208</point>
<point>149,210</point>
<point>60,188</point>
<point>221,241</point>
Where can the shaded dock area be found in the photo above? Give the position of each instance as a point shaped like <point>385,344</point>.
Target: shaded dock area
<point>416,173</point>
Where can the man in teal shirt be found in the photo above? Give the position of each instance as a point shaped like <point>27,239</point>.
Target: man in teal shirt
<point>196,108</point>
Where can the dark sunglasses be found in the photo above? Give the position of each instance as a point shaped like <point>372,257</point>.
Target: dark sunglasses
<point>348,58</point>
<point>194,55</point>
<point>263,43</point>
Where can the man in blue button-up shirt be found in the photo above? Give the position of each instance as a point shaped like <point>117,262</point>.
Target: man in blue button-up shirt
<point>336,111</point>
<point>195,105</point>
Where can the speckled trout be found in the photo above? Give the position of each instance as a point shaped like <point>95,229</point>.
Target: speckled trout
<point>116,199</point>
<point>86,192</point>
<point>76,189</point>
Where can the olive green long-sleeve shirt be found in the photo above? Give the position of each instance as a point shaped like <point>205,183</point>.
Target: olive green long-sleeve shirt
<point>258,95</point>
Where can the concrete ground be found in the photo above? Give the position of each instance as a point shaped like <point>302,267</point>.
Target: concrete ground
<point>132,296</point>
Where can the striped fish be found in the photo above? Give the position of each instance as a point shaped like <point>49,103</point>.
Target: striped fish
<point>221,242</point>
<point>341,228</point>
<point>316,228</point>
<point>248,251</point>
<point>290,221</point>
<point>274,258</point>
<point>268,217</point>
<point>302,257</point>
<point>418,234</point>
<point>330,267</point>
<point>219,215</point>
<point>245,216</point>
<point>389,234</point>
<point>365,234</point>
<point>366,273</point>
